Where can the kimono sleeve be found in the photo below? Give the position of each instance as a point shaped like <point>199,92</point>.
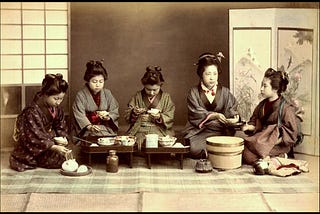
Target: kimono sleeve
<point>196,112</point>
<point>128,112</point>
<point>289,126</point>
<point>113,109</point>
<point>79,110</point>
<point>168,112</point>
<point>33,134</point>
<point>231,105</point>
<point>59,124</point>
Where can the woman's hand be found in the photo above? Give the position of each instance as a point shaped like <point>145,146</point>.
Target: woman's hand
<point>155,116</point>
<point>248,127</point>
<point>138,111</point>
<point>233,120</point>
<point>60,149</point>
<point>218,116</point>
<point>62,141</point>
<point>93,128</point>
<point>103,115</point>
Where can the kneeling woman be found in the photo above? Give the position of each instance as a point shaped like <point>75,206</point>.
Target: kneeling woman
<point>37,125</point>
<point>265,138</point>
<point>143,121</point>
<point>210,105</point>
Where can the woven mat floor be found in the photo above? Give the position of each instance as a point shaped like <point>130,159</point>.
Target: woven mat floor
<point>165,176</point>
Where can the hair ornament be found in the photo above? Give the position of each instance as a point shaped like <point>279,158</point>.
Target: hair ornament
<point>59,76</point>
<point>54,76</point>
<point>206,55</point>
<point>95,63</point>
<point>284,75</point>
<point>220,56</point>
<point>157,68</point>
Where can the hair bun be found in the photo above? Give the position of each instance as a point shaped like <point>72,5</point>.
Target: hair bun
<point>153,68</point>
<point>59,76</point>
<point>157,68</point>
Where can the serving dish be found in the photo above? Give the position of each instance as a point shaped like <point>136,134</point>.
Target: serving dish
<point>68,173</point>
<point>106,141</point>
<point>167,141</point>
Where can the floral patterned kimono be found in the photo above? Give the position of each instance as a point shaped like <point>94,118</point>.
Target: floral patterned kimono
<point>198,128</point>
<point>84,109</point>
<point>161,127</point>
<point>34,131</point>
<point>264,140</point>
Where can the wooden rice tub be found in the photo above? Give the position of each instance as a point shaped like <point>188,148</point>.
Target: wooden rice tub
<point>225,152</point>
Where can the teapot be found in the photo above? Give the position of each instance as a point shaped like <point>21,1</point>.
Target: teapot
<point>203,165</point>
<point>70,164</point>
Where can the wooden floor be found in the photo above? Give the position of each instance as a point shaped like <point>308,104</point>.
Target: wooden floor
<point>148,202</point>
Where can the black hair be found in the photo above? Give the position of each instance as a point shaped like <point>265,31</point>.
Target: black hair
<point>152,76</point>
<point>278,80</point>
<point>53,84</point>
<point>95,68</point>
<point>207,59</point>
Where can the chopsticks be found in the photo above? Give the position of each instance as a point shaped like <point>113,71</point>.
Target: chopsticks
<point>80,139</point>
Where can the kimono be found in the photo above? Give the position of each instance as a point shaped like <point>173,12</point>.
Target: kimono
<point>279,166</point>
<point>162,127</point>
<point>267,139</point>
<point>84,110</point>
<point>34,130</point>
<point>198,127</point>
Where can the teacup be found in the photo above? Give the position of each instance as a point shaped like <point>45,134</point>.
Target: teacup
<point>102,114</point>
<point>153,111</point>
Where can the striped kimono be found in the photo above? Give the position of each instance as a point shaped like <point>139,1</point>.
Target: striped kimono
<point>84,110</point>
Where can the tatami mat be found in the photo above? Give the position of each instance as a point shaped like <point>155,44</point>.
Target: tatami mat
<point>203,202</point>
<point>83,202</point>
<point>303,202</point>
<point>14,202</point>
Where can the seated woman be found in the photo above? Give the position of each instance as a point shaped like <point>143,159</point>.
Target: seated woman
<point>37,126</point>
<point>95,110</point>
<point>265,138</point>
<point>209,106</point>
<point>142,121</point>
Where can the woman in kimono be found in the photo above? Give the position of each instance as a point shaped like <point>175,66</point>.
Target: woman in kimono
<point>142,121</point>
<point>209,106</point>
<point>95,109</point>
<point>37,126</point>
<point>265,138</point>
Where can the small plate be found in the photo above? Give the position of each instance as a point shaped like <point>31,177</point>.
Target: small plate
<point>89,171</point>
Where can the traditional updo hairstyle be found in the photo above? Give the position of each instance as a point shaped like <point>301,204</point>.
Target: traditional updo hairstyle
<point>95,68</point>
<point>152,76</point>
<point>278,80</point>
<point>207,59</point>
<point>53,84</point>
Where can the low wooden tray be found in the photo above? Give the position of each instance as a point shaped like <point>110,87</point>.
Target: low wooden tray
<point>89,171</point>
